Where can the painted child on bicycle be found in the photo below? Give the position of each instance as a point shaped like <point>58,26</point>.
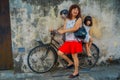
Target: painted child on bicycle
<point>63,15</point>
<point>88,39</point>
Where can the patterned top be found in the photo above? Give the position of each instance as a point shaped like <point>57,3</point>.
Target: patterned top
<point>70,35</point>
<point>87,28</point>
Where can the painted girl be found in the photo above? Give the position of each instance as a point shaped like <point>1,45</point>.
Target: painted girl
<point>88,39</point>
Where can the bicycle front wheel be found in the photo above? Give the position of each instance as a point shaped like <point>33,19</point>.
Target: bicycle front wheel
<point>42,58</point>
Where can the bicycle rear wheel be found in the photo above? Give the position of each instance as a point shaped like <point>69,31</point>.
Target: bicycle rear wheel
<point>88,63</point>
<point>42,58</point>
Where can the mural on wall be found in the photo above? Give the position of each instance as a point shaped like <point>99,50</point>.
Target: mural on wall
<point>32,19</point>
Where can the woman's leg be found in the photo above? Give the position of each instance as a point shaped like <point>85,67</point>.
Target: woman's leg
<point>76,63</point>
<point>61,54</point>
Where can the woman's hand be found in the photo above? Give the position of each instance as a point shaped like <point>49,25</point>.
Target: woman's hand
<point>61,31</point>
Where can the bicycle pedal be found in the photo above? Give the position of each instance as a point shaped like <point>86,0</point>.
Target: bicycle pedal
<point>63,62</point>
<point>57,64</point>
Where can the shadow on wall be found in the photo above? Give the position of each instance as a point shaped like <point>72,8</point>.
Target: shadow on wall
<point>96,30</point>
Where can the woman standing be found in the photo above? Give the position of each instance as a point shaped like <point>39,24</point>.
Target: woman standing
<point>71,44</point>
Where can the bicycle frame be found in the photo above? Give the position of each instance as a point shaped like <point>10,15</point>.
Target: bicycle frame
<point>53,42</point>
<point>53,47</point>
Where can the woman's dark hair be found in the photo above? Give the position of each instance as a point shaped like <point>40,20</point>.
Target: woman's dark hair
<point>88,18</point>
<point>70,10</point>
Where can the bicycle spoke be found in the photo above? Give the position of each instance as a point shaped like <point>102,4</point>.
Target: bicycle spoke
<point>41,59</point>
<point>89,62</point>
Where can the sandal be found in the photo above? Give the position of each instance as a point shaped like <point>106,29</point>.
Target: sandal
<point>69,67</point>
<point>73,76</point>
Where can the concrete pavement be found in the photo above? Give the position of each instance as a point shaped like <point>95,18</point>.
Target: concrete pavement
<point>109,72</point>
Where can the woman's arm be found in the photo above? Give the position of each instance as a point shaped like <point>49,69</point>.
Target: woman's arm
<point>77,25</point>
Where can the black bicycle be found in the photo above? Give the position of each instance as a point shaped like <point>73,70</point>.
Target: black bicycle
<point>43,57</point>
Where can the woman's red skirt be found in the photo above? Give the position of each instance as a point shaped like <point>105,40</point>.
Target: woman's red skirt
<point>71,47</point>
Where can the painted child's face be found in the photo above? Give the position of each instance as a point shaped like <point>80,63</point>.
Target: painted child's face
<point>88,23</point>
<point>74,12</point>
<point>63,16</point>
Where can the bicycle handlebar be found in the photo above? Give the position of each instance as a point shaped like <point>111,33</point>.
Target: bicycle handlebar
<point>53,32</point>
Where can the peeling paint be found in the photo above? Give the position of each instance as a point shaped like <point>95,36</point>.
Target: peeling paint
<point>32,19</point>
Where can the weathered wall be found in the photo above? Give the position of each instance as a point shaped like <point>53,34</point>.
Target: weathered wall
<point>31,19</point>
